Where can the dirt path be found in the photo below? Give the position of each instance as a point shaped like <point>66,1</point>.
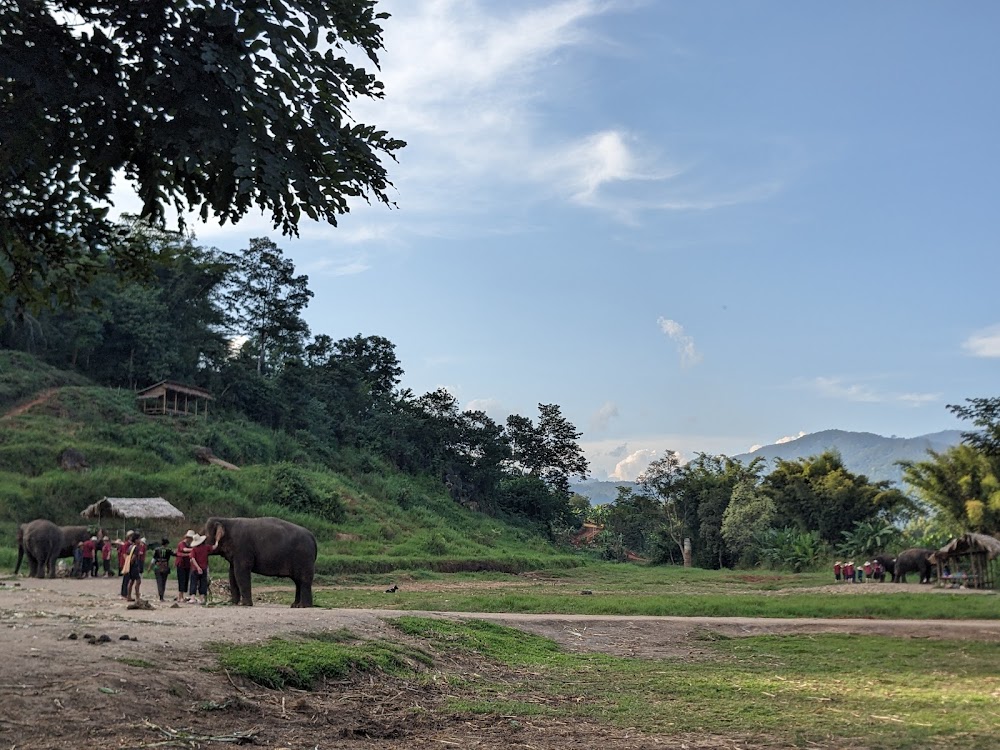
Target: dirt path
<point>58,689</point>
<point>41,398</point>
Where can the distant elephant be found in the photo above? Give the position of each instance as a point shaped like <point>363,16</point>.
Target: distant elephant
<point>268,547</point>
<point>888,564</point>
<point>915,560</point>
<point>43,543</point>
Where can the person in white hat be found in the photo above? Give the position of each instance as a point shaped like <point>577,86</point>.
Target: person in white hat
<point>183,564</point>
<point>199,570</point>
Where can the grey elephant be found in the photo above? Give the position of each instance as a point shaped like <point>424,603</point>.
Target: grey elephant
<point>888,564</point>
<point>43,543</point>
<point>914,560</point>
<point>266,546</point>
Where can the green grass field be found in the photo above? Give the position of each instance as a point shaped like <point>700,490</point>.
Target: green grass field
<point>827,690</point>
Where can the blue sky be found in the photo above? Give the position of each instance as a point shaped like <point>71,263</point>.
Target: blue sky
<point>697,226</point>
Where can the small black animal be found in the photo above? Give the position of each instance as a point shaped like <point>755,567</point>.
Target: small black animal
<point>392,590</point>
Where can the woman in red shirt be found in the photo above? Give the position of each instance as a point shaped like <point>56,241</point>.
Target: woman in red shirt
<point>183,564</point>
<point>199,569</point>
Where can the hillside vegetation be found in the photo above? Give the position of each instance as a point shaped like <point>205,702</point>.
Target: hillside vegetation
<point>367,516</point>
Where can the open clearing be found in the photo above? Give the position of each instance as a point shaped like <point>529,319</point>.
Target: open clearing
<point>163,685</point>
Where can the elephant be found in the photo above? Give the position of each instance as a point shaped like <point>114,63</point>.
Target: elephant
<point>914,560</point>
<point>266,546</point>
<point>43,543</point>
<point>888,563</point>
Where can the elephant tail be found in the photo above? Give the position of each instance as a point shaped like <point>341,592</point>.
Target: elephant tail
<point>20,549</point>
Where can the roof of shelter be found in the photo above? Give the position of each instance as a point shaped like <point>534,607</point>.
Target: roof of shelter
<point>972,542</point>
<point>156,389</point>
<point>131,507</point>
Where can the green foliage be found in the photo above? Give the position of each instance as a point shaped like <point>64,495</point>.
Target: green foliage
<point>962,484</point>
<point>304,662</point>
<point>201,106</point>
<point>791,549</point>
<point>24,376</point>
<point>818,493</point>
<point>264,302</point>
<point>748,516</point>
<point>291,488</point>
<point>869,538</point>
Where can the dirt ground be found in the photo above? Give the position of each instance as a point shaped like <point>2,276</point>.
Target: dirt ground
<point>163,688</point>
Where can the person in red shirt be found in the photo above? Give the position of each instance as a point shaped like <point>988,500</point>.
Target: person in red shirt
<point>199,569</point>
<point>183,564</point>
<point>106,556</point>
<point>89,557</point>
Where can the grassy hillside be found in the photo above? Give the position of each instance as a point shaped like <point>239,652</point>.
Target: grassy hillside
<point>366,516</point>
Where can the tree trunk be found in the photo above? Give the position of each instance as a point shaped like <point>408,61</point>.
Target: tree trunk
<point>687,553</point>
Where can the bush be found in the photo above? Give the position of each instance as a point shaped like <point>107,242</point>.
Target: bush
<point>791,549</point>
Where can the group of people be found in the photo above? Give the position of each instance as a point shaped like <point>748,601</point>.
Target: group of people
<point>191,564</point>
<point>92,558</point>
<point>871,570</point>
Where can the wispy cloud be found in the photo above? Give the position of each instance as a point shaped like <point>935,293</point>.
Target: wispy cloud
<point>984,342</point>
<point>861,392</point>
<point>491,406</point>
<point>600,419</point>
<point>336,267</point>
<point>473,114</point>
<point>689,354</point>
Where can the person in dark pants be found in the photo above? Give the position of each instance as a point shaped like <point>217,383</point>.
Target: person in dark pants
<point>183,564</point>
<point>161,566</point>
<point>199,570</point>
<point>106,556</point>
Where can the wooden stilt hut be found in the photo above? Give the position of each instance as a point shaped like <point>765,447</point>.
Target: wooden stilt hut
<point>174,399</point>
<point>970,561</point>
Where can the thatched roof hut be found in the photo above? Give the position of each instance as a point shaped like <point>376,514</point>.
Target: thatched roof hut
<point>135,509</point>
<point>969,560</point>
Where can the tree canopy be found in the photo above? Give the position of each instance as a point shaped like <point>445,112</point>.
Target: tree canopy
<point>215,107</point>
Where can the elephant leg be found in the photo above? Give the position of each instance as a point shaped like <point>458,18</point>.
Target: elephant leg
<point>242,575</point>
<point>303,592</point>
<point>234,587</point>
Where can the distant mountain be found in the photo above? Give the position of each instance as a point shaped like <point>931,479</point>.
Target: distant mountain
<point>863,453</point>
<point>597,491</point>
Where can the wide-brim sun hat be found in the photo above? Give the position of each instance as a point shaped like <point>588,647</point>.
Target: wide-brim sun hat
<point>191,533</point>
<point>197,539</point>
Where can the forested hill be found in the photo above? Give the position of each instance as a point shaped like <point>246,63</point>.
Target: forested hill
<point>865,453</point>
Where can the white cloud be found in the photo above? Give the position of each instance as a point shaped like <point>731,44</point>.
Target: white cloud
<point>984,343</point>
<point>618,451</point>
<point>337,267</point>
<point>493,408</point>
<point>685,344</point>
<point>613,457</point>
<point>630,467</point>
<point>600,420</point>
<point>860,392</point>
